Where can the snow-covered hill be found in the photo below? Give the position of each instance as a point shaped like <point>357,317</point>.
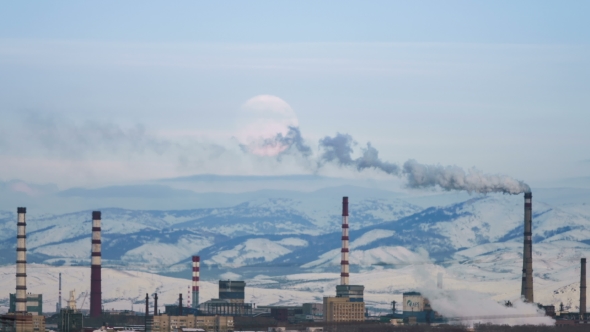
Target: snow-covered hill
<point>292,243</point>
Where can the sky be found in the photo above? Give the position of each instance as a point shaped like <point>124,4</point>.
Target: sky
<point>103,93</point>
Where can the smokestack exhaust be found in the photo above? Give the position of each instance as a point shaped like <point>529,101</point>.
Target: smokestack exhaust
<point>95,272</point>
<point>582,288</point>
<point>344,271</point>
<point>196,272</point>
<point>527,257</point>
<point>21,261</point>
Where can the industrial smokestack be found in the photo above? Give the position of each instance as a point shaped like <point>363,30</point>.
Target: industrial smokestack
<point>21,261</point>
<point>527,257</point>
<point>583,288</point>
<point>95,273</point>
<point>180,304</point>
<point>59,300</point>
<point>156,304</point>
<point>344,259</point>
<point>196,267</point>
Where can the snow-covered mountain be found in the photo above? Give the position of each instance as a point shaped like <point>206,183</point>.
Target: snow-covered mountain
<point>163,238</point>
<point>292,243</point>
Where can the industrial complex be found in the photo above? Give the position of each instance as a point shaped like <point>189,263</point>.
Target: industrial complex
<point>230,311</point>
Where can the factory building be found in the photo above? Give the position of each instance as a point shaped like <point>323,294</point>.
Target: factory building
<point>165,323</point>
<point>230,301</point>
<point>313,309</point>
<point>232,291</point>
<point>348,305</point>
<point>416,309</point>
<point>34,303</point>
<point>341,309</point>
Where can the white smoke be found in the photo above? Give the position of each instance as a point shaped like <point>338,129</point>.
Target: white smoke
<point>455,178</point>
<point>468,307</point>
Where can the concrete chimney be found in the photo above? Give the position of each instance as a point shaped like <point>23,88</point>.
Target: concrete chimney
<point>147,305</point>
<point>21,261</point>
<point>156,304</point>
<point>59,300</point>
<point>180,304</point>
<point>196,267</point>
<point>95,272</point>
<point>527,257</point>
<point>344,271</point>
<point>583,288</point>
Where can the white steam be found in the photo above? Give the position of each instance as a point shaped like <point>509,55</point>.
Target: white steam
<point>455,178</point>
<point>469,307</point>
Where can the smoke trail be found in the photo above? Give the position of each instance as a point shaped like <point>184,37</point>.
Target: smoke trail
<point>69,139</point>
<point>339,149</point>
<point>279,145</point>
<point>293,139</point>
<point>455,178</point>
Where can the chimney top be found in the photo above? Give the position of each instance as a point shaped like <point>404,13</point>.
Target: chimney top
<point>345,206</point>
<point>528,195</point>
<point>21,210</point>
<point>583,260</point>
<point>196,259</point>
<point>95,215</point>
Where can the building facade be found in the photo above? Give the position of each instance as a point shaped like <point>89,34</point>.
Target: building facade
<point>165,323</point>
<point>34,303</point>
<point>341,309</point>
<point>22,322</point>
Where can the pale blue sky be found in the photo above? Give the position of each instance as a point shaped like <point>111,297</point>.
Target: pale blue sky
<point>499,85</point>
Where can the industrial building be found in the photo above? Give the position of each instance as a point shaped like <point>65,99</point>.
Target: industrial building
<point>34,303</point>
<point>416,309</point>
<point>230,301</point>
<point>341,309</point>
<point>165,323</point>
<point>348,305</point>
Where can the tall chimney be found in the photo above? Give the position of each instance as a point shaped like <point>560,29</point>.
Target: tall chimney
<point>196,267</point>
<point>21,261</point>
<point>180,304</point>
<point>59,300</point>
<point>527,257</point>
<point>95,273</point>
<point>344,252</point>
<point>583,288</point>
<point>156,304</point>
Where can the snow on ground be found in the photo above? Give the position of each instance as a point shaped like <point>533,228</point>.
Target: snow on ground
<point>252,251</point>
<point>166,253</point>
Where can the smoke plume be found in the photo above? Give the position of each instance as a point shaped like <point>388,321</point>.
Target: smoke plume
<point>291,140</point>
<point>279,145</point>
<point>69,139</point>
<point>455,178</point>
<point>339,149</point>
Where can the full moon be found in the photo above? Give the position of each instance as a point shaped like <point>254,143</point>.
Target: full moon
<point>260,120</point>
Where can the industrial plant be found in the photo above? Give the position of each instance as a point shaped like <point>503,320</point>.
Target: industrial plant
<point>230,311</point>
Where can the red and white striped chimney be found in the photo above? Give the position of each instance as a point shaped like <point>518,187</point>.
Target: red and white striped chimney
<point>95,273</point>
<point>21,261</point>
<point>196,267</point>
<point>344,252</point>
